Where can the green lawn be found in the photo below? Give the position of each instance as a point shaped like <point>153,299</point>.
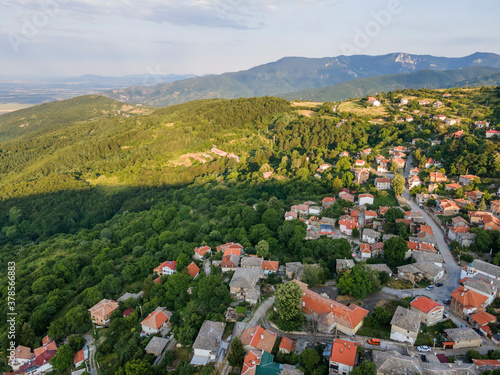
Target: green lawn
<point>380,332</point>
<point>389,201</point>
<point>434,331</point>
<point>399,284</point>
<point>445,219</point>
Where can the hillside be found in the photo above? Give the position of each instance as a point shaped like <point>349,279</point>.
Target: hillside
<point>44,117</point>
<point>293,74</point>
<point>431,79</point>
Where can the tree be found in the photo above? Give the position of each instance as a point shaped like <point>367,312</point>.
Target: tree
<point>138,367</point>
<point>356,282</point>
<point>287,301</point>
<point>482,205</point>
<point>309,359</point>
<point>398,184</point>
<point>182,261</point>
<point>236,353</point>
<point>63,360</point>
<point>262,249</point>
<point>313,275</point>
<point>384,277</point>
<point>366,368</point>
<point>337,184</point>
<point>395,249</point>
<point>28,335</point>
<point>355,232</point>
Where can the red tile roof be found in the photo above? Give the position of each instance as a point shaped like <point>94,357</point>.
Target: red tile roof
<point>157,280</point>
<point>155,319</point>
<point>288,344</point>
<point>427,229</point>
<point>344,352</point>
<point>463,229</point>
<point>193,269</point>
<point>128,312</point>
<point>202,250</point>
<point>486,362</point>
<point>251,361</point>
<point>232,251</point>
<point>468,298</point>
<point>365,248</point>
<point>328,199</point>
<point>168,264</point>
<point>229,244</point>
<point>349,316</point>
<point>377,246</point>
<point>270,265</point>
<point>421,246</point>
<point>259,338</point>
<point>103,308</point>
<point>349,224</point>
<point>483,318</point>
<point>78,357</point>
<point>425,304</point>
<point>46,340</point>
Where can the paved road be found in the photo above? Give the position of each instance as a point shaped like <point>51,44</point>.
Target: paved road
<point>206,267</point>
<point>92,349</point>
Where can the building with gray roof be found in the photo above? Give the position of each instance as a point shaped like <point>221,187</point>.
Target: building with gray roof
<point>206,345</point>
<point>405,325</point>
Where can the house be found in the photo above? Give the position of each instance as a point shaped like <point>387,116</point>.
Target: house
<point>453,186</point>
<point>458,135</point>
<point>128,295</point>
<point>482,124</point>
<point>293,270</point>
<point>156,322</point>
<point>464,337</point>
<point>346,226</point>
<point>479,217</point>
<point>459,221</point>
<point>364,199</point>
<point>446,95</point>
<point>102,310</point>
<point>405,325</point>
<point>427,256</point>
<point>380,268</point>
<point>22,355</point>
<point>287,345</point>
<point>314,210</point>
<point>430,271</point>
<point>330,314</point>
<point>346,196</point>
<point>448,207</point>
<point>482,318</point>
<point>482,287</point>
<point>251,361</point>
<point>41,363</point>
<point>80,357</point>
<point>430,311</point>
<point>269,266</point>
<point>252,262</point>
<point>290,216</point>
<point>193,270</point>
<point>207,344</point>
<point>415,171</point>
<point>413,181</point>
<point>465,301</point>
<point>156,346</point>
<point>423,102</point>
<point>383,183</point>
<point>379,158</point>
<point>377,248</point>
<point>258,338</point>
<point>230,262</point>
<point>260,362</point>
<point>495,207</point>
<point>323,167</point>
<point>326,226</point>
<point>399,162</point>
<point>344,154</point>
<point>243,284</point>
<point>437,104</point>
<point>492,133</point>
<point>370,215</point>
<point>327,202</point>
<point>437,177</point>
<point>441,118</point>
<point>382,210</point>
<point>481,268</point>
<point>232,245</point>
<point>370,236</point>
<point>403,101</point>
<point>165,268</point>
<point>361,176</point>
<point>450,121</point>
<point>343,356</point>
<point>365,251</point>
<point>218,152</point>
<point>360,163</point>
<point>393,362</point>
<point>467,179</point>
<point>373,101</point>
<point>199,252</point>
<point>344,265</point>
<point>366,151</point>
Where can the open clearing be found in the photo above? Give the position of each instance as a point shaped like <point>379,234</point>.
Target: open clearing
<point>359,109</point>
<point>11,107</point>
<point>306,112</point>
<point>306,104</point>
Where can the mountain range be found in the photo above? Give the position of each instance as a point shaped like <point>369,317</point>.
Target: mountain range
<point>293,74</point>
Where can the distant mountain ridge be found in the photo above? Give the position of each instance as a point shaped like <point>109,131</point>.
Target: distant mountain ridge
<point>292,74</point>
<point>430,79</point>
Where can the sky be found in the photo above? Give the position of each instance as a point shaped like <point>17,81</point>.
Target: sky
<point>48,38</point>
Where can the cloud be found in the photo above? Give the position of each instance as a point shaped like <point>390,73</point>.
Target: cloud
<point>237,14</point>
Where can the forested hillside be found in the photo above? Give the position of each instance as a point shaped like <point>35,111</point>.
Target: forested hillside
<point>90,205</point>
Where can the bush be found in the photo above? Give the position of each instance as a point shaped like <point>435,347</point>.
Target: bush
<point>241,310</point>
<point>467,258</point>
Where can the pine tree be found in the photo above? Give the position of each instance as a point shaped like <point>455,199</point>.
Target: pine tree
<point>236,353</point>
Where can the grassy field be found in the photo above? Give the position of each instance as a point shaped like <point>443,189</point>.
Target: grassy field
<point>359,109</point>
<point>380,332</point>
<point>445,219</point>
<point>389,201</point>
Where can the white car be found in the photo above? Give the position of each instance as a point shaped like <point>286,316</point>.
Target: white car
<point>424,348</point>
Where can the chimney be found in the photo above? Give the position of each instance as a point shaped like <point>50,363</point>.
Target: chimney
<point>262,337</point>
<point>349,347</point>
<point>341,350</point>
<point>345,344</point>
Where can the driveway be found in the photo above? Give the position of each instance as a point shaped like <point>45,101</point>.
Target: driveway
<point>92,349</point>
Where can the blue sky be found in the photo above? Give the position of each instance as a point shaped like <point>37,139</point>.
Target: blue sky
<point>118,37</point>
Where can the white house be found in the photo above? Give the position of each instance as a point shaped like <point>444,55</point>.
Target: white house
<point>314,210</point>
<point>405,325</point>
<point>365,199</point>
<point>165,268</point>
<point>156,322</point>
<point>207,344</point>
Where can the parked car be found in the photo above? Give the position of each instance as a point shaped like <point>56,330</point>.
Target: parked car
<point>373,341</point>
<point>478,331</point>
<point>423,357</point>
<point>439,284</point>
<point>424,348</point>
<point>447,301</point>
<point>430,287</point>
<point>422,207</point>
